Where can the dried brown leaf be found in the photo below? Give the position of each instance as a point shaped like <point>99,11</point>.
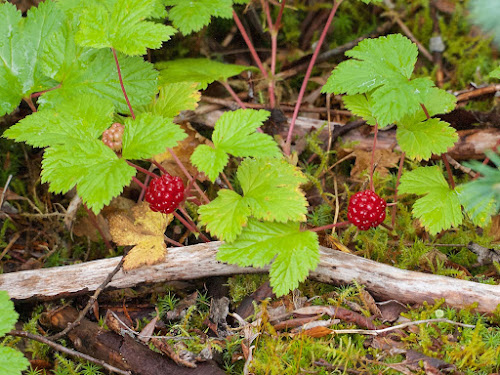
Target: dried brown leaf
<point>384,160</point>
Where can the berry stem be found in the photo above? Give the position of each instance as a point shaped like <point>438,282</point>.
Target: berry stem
<point>372,162</point>
<point>171,241</point>
<point>226,180</point>
<point>330,226</point>
<point>398,178</point>
<point>190,226</point>
<point>140,169</point>
<point>159,166</point>
<point>188,175</point>
<point>138,182</point>
<point>233,94</point>
<point>121,83</point>
<point>448,171</point>
<point>287,147</point>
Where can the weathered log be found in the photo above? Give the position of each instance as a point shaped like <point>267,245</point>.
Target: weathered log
<point>198,261</point>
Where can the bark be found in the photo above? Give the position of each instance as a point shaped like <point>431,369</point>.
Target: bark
<point>198,261</point>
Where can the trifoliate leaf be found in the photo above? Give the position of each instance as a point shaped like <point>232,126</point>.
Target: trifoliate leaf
<point>438,210</point>
<point>495,73</point>
<point>422,139</point>
<point>12,362</point>
<point>271,188</point>
<point>120,24</point>
<point>203,71</point>
<point>96,170</point>
<point>174,98</point>
<point>360,105</point>
<point>226,215</point>
<point>86,117</point>
<point>8,315</point>
<point>149,135</point>
<point>100,78</point>
<point>295,252</point>
<point>143,228</point>
<point>22,42</point>
<point>235,134</point>
<point>189,16</point>
<point>209,160</point>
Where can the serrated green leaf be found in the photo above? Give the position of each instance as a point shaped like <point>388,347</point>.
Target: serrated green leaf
<point>12,362</point>
<point>100,78</point>
<point>422,139</point>
<point>174,98</point>
<point>479,199</point>
<point>86,117</point>
<point>8,315</point>
<point>202,71</point>
<point>149,135</point>
<point>360,105</point>
<point>189,16</point>
<point>438,210</point>
<point>495,73</point>
<point>271,189</point>
<point>122,25</point>
<point>209,160</point>
<point>295,252</point>
<point>226,215</point>
<point>96,170</point>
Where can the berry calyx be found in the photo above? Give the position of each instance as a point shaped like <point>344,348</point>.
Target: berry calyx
<point>112,137</point>
<point>366,210</point>
<point>165,193</point>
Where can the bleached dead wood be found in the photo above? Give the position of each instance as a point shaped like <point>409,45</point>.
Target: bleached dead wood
<point>198,261</point>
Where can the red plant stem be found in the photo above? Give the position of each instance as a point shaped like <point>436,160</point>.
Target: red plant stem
<point>448,170</point>
<point>40,93</point>
<point>159,166</point>
<point>144,188</point>
<point>93,220</point>
<point>425,111</point>
<point>138,182</point>
<point>226,180</point>
<point>190,227</point>
<point>140,169</point>
<point>247,40</point>
<point>30,103</point>
<point>189,177</point>
<point>306,77</point>
<point>273,29</point>
<point>121,83</point>
<point>400,172</point>
<point>372,188</point>
<point>330,226</point>
<point>171,241</point>
<point>233,94</point>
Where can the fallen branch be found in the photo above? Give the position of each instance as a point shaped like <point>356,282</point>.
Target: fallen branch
<point>198,261</point>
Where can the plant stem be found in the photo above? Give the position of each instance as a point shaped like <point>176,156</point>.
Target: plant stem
<point>138,182</point>
<point>190,226</point>
<point>306,78</point>
<point>233,94</point>
<point>172,242</point>
<point>226,180</point>
<point>249,43</point>
<point>93,220</point>
<point>140,169</point>
<point>121,83</point>
<point>448,171</point>
<point>30,103</point>
<point>330,226</point>
<point>40,93</point>
<point>372,188</point>
<point>159,166</point>
<point>400,171</point>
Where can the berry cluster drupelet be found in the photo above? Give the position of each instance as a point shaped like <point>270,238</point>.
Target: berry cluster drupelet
<point>366,210</point>
<point>165,193</point>
<point>112,137</point>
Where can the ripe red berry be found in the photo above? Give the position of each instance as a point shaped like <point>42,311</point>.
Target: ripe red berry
<point>165,193</point>
<point>112,137</point>
<point>366,210</point>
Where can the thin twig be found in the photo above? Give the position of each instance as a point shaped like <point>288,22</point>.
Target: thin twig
<point>63,349</point>
<point>233,94</point>
<point>90,302</point>
<point>330,226</point>
<point>5,188</point>
<point>190,226</point>
<point>140,169</point>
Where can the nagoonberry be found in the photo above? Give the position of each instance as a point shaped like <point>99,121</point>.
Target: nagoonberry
<point>165,193</point>
<point>112,137</point>
<point>366,210</point>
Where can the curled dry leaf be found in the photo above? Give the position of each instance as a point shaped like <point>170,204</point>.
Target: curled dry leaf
<point>143,228</point>
<point>384,159</point>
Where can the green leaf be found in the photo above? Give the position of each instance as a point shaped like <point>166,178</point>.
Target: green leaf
<point>226,215</point>
<point>235,134</point>
<point>120,24</point>
<point>495,73</point>
<point>360,105</point>
<point>271,188</point>
<point>149,135</point>
<point>174,98</point>
<point>85,117</point>
<point>438,210</point>
<point>96,170</point>
<point>100,78</point>
<point>203,71</point>
<point>8,315</point>
<point>422,139</point>
<point>12,362</point>
<point>209,160</point>
<point>485,14</point>
<point>295,252</point>
<point>189,16</point>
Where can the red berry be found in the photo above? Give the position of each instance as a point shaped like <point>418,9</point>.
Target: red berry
<point>366,210</point>
<point>165,193</point>
<point>112,137</point>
